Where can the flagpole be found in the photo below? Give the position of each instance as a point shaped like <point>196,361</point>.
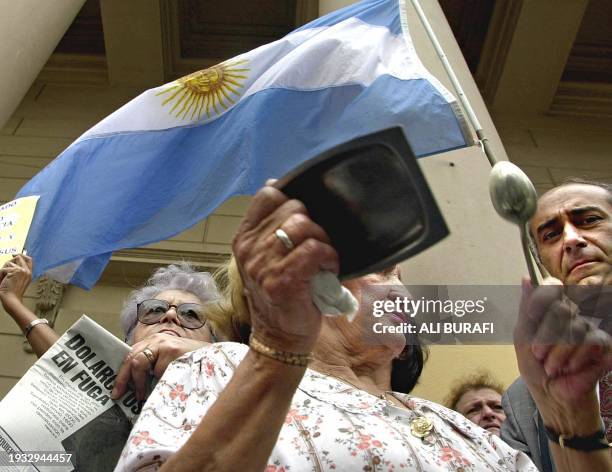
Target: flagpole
<point>484,141</point>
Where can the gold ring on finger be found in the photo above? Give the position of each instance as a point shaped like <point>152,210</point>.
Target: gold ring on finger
<point>149,355</point>
<point>285,239</point>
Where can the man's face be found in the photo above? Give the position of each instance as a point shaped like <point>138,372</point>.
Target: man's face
<point>483,407</point>
<point>572,227</point>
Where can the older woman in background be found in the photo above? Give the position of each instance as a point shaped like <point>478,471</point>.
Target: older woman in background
<point>478,398</point>
<point>232,407</point>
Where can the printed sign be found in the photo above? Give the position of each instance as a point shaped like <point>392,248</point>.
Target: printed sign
<point>15,219</point>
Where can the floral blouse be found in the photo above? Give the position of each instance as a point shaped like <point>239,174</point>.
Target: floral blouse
<point>330,425</point>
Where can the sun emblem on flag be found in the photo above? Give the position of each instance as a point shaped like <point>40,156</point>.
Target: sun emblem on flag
<point>207,91</point>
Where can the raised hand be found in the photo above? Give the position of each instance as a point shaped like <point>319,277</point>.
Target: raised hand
<point>561,357</point>
<point>15,277</point>
<point>277,273</point>
<point>152,355</point>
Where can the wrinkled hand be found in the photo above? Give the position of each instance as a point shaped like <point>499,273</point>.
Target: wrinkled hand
<point>15,277</point>
<point>560,355</point>
<point>276,279</point>
<point>136,367</point>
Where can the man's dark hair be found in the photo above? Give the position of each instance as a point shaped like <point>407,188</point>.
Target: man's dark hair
<point>577,180</point>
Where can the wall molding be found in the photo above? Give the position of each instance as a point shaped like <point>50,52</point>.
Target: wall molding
<point>583,98</point>
<point>496,47</point>
<point>173,20</point>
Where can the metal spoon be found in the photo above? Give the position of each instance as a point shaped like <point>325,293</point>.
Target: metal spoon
<point>515,200</point>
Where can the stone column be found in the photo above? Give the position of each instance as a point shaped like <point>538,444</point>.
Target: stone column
<point>29,32</point>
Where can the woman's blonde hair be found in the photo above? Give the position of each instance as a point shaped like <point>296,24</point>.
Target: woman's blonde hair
<point>230,316</point>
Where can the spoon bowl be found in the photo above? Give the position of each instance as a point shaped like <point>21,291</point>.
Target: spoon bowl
<point>512,193</point>
<point>515,199</point>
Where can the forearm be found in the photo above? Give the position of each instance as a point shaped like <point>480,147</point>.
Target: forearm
<point>42,336</point>
<point>583,419</point>
<point>241,428</point>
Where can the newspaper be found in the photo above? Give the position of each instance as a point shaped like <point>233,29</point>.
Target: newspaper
<point>59,416</point>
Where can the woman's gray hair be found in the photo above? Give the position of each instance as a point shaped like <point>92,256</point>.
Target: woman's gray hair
<point>173,277</point>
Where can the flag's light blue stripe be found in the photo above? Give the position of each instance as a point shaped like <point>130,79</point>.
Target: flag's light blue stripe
<point>136,188</point>
<point>375,12</point>
<point>90,270</point>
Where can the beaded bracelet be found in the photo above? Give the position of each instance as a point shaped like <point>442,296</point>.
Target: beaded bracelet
<point>285,357</point>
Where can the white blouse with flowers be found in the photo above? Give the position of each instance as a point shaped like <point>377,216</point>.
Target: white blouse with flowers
<point>330,425</point>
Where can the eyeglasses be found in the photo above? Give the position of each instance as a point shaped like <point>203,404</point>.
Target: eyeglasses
<point>190,315</point>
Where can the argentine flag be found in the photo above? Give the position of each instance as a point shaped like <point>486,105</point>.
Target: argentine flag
<point>168,158</point>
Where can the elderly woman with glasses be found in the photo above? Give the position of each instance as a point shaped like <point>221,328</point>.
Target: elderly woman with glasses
<point>161,320</point>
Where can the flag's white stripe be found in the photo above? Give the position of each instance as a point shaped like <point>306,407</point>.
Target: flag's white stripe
<point>348,44</point>
<point>64,272</point>
<point>289,63</point>
<point>403,13</point>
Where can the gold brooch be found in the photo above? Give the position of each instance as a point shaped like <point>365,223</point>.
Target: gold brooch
<point>421,427</point>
